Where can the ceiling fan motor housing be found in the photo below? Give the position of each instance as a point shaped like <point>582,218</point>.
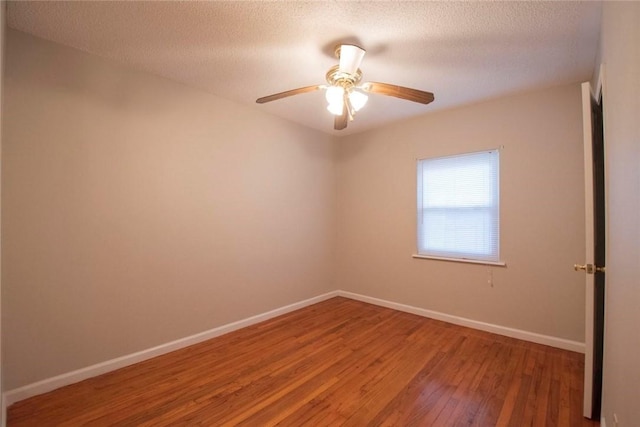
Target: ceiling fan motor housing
<point>335,77</point>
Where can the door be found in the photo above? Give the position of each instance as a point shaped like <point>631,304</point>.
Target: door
<point>595,250</point>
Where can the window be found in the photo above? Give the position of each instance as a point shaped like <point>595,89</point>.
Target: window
<point>458,207</point>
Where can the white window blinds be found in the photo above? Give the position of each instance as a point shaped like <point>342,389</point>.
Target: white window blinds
<point>458,206</point>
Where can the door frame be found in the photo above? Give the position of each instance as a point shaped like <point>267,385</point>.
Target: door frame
<point>588,208</point>
<point>594,283</point>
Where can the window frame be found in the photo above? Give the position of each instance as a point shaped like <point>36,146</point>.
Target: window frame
<point>486,258</point>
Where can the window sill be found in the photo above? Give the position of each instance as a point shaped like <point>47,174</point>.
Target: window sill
<point>468,261</point>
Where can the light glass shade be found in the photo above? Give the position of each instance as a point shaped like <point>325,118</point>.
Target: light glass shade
<point>357,99</point>
<point>335,108</point>
<point>335,97</point>
<point>334,94</point>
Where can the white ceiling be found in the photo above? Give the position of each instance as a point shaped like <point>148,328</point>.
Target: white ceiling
<point>463,52</point>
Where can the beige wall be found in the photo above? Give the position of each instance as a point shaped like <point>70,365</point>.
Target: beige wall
<point>137,211</point>
<point>621,57</point>
<point>542,214</point>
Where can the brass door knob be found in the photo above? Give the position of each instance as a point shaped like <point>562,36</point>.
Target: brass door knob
<point>589,268</point>
<point>586,267</point>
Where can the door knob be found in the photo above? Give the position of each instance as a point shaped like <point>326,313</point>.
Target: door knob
<point>586,267</point>
<point>589,268</point>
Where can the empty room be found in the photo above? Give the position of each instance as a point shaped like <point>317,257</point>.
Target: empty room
<point>320,213</point>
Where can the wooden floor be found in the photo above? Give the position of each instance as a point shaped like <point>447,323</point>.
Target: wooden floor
<point>339,362</point>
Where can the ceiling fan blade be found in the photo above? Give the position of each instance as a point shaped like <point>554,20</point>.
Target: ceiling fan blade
<point>287,93</point>
<point>401,92</point>
<point>340,122</point>
<point>350,58</point>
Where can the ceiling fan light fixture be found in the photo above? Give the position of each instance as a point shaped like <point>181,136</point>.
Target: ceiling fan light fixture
<point>357,100</point>
<point>334,94</point>
<point>335,98</point>
<point>335,108</point>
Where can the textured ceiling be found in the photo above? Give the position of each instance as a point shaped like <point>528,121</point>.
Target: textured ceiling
<point>463,52</point>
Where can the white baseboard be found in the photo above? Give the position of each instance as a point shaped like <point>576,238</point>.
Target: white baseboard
<point>44,386</point>
<point>488,327</point>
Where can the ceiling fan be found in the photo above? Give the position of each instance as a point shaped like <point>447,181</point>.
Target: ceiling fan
<point>344,92</point>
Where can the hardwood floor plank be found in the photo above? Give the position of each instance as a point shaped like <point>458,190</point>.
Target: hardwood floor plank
<point>337,363</point>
